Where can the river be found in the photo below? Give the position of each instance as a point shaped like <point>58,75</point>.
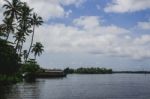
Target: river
<point>75,86</point>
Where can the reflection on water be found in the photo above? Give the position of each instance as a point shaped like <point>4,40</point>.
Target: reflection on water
<point>21,91</point>
<point>113,86</point>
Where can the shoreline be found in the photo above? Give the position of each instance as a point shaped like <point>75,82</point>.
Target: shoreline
<point>131,72</point>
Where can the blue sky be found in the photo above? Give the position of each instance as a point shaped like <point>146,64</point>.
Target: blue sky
<point>99,33</point>
<point>96,8</point>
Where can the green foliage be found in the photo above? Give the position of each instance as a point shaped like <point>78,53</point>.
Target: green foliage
<point>9,59</point>
<point>8,27</point>
<point>5,79</point>
<point>91,70</point>
<point>37,49</point>
<point>30,66</point>
<point>69,70</point>
<point>2,31</point>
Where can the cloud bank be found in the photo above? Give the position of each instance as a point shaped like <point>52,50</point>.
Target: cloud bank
<point>88,35</point>
<point>123,6</point>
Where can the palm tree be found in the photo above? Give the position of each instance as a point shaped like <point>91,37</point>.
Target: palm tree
<point>12,9</point>
<point>37,49</point>
<point>35,21</point>
<point>20,39</point>
<point>25,15</point>
<point>24,26</point>
<point>8,26</point>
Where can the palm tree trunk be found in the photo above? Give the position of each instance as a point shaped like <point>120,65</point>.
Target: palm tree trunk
<point>8,32</point>
<point>35,57</point>
<point>21,49</point>
<point>31,41</point>
<point>17,46</point>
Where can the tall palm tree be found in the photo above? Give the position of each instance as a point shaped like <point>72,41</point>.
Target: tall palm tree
<point>12,9</point>
<point>24,19</point>
<point>20,39</point>
<point>37,49</point>
<point>24,27</point>
<point>35,21</point>
<point>25,15</point>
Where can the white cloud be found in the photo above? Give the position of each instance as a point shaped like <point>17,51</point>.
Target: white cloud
<point>98,39</point>
<point>87,22</point>
<point>144,39</point>
<point>68,13</point>
<point>144,25</point>
<point>51,8</point>
<point>122,6</point>
<point>77,3</point>
<point>1,10</point>
<point>94,24</point>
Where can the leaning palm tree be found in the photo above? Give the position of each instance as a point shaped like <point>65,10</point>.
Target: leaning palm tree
<point>37,49</point>
<point>12,9</point>
<point>35,21</point>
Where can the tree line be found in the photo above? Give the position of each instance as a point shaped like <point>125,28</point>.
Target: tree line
<point>91,70</point>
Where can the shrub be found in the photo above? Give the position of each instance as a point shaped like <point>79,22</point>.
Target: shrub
<point>30,66</point>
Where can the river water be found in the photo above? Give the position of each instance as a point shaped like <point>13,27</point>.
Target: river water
<point>109,86</point>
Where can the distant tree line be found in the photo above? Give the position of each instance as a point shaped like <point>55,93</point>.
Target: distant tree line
<point>91,70</point>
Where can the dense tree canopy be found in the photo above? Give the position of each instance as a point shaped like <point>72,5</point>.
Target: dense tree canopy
<point>9,59</point>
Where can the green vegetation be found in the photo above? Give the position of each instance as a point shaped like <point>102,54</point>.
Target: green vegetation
<point>11,79</point>
<point>19,23</point>
<point>30,66</point>
<point>91,70</point>
<point>9,59</point>
<point>69,70</point>
<point>37,49</point>
<point>29,69</point>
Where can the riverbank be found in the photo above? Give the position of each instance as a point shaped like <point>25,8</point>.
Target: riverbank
<point>51,74</point>
<point>131,72</point>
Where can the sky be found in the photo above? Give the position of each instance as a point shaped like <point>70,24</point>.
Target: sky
<point>93,33</point>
